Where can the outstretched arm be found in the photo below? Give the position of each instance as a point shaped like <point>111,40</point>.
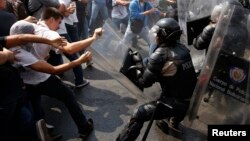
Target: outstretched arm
<point>74,47</point>
<point>43,66</point>
<point>15,40</point>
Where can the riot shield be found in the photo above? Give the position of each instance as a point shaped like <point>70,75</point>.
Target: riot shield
<point>113,56</point>
<point>221,95</point>
<point>193,16</point>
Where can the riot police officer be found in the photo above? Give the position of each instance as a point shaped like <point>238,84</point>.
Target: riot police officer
<point>202,41</point>
<point>170,64</point>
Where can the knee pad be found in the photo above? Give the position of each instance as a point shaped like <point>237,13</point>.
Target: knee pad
<point>141,113</point>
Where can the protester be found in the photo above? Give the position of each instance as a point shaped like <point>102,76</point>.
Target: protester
<point>37,72</point>
<point>138,20</point>
<point>15,115</point>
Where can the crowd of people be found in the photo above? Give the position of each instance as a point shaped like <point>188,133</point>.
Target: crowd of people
<point>28,70</point>
<point>34,40</point>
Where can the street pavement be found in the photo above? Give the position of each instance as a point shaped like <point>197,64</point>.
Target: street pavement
<point>107,101</point>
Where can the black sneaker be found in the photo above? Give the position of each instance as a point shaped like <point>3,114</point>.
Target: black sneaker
<point>163,125</point>
<point>83,84</point>
<point>88,130</point>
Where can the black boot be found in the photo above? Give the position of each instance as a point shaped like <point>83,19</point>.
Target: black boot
<point>130,132</point>
<point>169,125</point>
<point>165,124</point>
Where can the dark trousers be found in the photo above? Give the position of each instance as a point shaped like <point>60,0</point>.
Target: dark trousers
<point>145,112</point>
<point>72,32</point>
<point>53,87</point>
<point>17,123</point>
<point>56,59</point>
<point>78,71</point>
<point>16,120</point>
<point>82,25</point>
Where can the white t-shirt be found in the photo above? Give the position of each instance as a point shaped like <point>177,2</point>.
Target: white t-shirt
<point>119,11</point>
<point>41,51</point>
<point>25,59</point>
<point>71,19</point>
<point>29,55</point>
<point>62,28</point>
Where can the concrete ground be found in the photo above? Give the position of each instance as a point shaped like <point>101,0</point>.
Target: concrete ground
<point>107,101</point>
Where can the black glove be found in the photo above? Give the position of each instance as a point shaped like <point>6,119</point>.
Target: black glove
<point>137,60</point>
<point>135,73</point>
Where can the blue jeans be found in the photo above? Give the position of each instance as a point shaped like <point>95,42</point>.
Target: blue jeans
<point>78,71</point>
<point>129,35</point>
<point>53,87</point>
<point>117,22</point>
<point>82,24</point>
<point>83,30</point>
<point>72,32</point>
<point>83,34</point>
<point>95,10</point>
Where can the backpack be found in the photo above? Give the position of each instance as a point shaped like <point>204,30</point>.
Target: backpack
<point>136,25</point>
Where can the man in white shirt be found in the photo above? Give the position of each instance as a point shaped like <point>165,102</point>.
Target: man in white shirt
<point>15,118</point>
<point>69,30</point>
<point>37,72</point>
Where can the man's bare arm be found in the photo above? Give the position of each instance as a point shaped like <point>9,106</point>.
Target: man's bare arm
<point>6,56</point>
<point>15,40</point>
<point>43,66</point>
<point>75,47</point>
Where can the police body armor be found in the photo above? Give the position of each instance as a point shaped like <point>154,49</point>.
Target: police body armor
<point>180,75</point>
<point>172,67</point>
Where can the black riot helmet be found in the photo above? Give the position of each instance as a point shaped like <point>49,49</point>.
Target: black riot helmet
<point>168,30</point>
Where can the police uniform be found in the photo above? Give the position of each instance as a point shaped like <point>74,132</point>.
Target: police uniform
<point>172,67</point>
